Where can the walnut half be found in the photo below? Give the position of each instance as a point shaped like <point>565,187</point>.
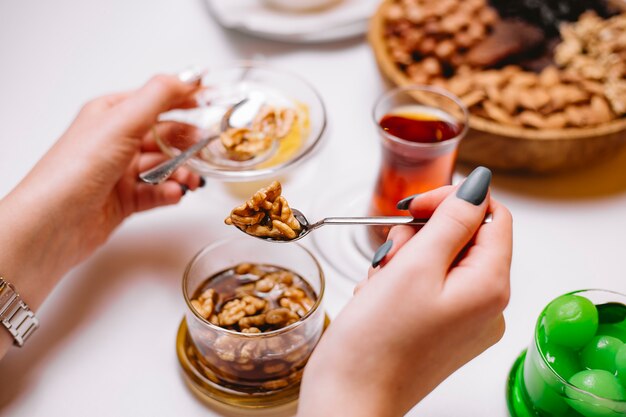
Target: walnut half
<point>266,214</point>
<point>269,125</point>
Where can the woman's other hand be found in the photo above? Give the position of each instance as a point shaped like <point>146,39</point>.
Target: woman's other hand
<point>87,184</point>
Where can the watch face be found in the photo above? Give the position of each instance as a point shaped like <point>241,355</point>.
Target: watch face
<point>7,295</point>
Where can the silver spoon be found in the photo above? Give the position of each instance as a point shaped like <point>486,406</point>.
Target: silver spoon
<point>308,227</point>
<point>239,115</point>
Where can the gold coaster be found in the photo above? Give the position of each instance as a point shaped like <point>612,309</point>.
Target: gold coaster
<point>225,399</point>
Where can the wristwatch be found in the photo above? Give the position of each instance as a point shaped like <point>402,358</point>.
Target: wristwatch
<point>15,315</point>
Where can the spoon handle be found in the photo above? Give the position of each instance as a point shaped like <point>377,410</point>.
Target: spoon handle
<point>375,221</point>
<point>161,172</point>
<point>381,221</point>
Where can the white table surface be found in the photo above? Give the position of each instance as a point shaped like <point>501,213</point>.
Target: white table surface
<point>106,343</point>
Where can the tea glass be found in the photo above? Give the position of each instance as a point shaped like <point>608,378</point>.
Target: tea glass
<point>409,167</point>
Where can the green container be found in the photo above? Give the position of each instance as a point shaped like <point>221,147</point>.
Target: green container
<point>541,382</point>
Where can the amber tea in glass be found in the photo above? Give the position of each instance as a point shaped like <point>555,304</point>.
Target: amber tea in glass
<point>420,129</point>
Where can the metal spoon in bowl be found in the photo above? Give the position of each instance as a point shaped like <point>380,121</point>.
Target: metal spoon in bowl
<point>308,227</point>
<point>240,114</point>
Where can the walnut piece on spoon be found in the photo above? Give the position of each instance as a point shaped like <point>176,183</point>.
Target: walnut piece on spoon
<point>266,214</point>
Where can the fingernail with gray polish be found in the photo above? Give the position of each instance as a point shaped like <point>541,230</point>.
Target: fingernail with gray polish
<point>405,202</point>
<point>184,188</point>
<point>474,188</point>
<point>381,252</point>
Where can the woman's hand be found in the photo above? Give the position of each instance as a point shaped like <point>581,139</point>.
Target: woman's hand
<point>86,185</point>
<point>90,174</point>
<point>435,303</point>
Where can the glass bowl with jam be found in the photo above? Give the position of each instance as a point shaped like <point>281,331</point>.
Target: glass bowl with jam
<point>286,130</point>
<point>576,364</point>
<point>254,315</point>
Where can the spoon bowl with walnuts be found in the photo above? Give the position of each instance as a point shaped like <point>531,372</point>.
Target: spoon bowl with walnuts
<point>268,216</point>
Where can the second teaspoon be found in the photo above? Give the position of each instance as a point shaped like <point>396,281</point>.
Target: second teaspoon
<point>240,114</point>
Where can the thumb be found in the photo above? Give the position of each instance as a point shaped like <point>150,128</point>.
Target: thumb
<point>139,110</point>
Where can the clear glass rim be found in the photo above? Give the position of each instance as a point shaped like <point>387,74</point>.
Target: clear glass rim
<point>429,89</point>
<point>562,380</point>
<point>302,321</point>
<point>247,175</point>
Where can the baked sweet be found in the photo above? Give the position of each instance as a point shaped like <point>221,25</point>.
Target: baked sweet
<point>540,65</point>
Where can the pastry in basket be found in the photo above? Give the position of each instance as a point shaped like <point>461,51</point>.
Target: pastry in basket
<point>539,65</point>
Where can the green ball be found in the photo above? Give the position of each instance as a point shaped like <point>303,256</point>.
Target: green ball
<point>599,383</point>
<point>600,353</point>
<point>562,360</point>
<point>571,321</point>
<point>620,365</point>
<point>537,380</point>
<point>615,330</point>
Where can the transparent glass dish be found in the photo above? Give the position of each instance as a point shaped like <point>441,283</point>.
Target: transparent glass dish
<point>211,355</point>
<point>178,129</point>
<point>536,389</point>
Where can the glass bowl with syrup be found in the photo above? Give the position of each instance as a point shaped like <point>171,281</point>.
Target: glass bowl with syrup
<point>221,88</point>
<point>254,315</point>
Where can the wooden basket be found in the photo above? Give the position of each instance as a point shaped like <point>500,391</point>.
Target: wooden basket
<point>514,148</point>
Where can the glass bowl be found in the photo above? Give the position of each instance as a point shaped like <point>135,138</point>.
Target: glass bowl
<point>178,129</point>
<point>539,383</point>
<point>213,357</point>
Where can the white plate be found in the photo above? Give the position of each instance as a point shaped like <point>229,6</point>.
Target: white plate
<point>346,20</point>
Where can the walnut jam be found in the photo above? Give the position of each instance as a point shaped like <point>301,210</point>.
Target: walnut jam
<point>251,298</point>
<point>255,300</point>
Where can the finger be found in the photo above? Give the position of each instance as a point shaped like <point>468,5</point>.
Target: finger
<point>371,271</point>
<point>150,196</point>
<point>494,240</point>
<point>187,103</point>
<point>452,225</point>
<point>423,205</point>
<point>359,286</point>
<point>177,134</point>
<point>181,175</point>
<point>113,100</point>
<point>491,251</point>
<point>399,235</point>
<point>100,104</point>
<point>163,92</point>
<point>149,142</point>
<point>498,327</point>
